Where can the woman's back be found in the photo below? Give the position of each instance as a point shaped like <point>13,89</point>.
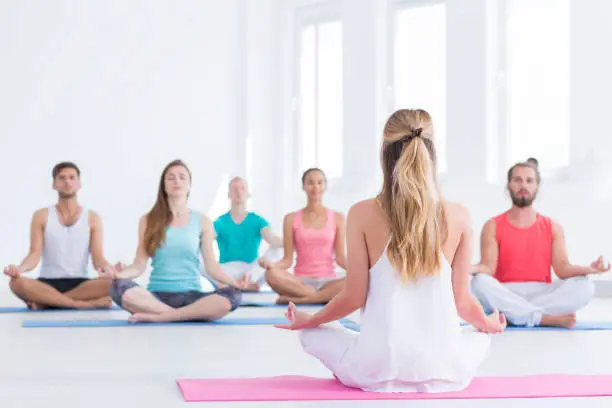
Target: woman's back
<point>409,256</point>
<point>389,298</point>
<point>410,337</point>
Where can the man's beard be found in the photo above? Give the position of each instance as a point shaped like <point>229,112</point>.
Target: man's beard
<point>65,196</point>
<point>522,202</point>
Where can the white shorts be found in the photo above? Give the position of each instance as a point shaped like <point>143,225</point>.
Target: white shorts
<point>317,283</point>
<point>237,269</point>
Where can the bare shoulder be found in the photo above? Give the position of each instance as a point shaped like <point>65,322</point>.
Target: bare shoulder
<point>556,226</point>
<point>364,212</point>
<point>489,226</point>
<point>142,222</point>
<point>205,222</point>
<point>94,217</point>
<point>363,207</point>
<point>40,216</point>
<point>289,217</point>
<point>339,217</point>
<point>457,213</point>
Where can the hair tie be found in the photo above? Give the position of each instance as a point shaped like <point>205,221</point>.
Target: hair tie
<point>408,137</point>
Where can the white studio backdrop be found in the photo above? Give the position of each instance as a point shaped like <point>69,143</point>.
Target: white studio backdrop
<point>120,88</point>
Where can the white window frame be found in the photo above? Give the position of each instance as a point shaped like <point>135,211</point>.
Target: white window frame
<point>503,115</point>
<point>396,6</point>
<point>308,13</point>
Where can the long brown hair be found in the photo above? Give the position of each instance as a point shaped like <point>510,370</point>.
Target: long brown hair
<point>160,215</point>
<point>410,195</point>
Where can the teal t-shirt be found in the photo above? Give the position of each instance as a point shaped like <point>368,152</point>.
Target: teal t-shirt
<point>239,242</point>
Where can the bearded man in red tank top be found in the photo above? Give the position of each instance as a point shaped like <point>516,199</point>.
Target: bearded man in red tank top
<point>518,249</point>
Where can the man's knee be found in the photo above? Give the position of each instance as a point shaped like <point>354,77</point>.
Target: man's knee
<point>17,285</point>
<point>481,282</point>
<point>103,283</point>
<point>583,288</point>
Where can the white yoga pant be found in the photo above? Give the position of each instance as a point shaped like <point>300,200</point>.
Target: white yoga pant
<point>237,269</point>
<point>524,303</point>
<point>329,343</point>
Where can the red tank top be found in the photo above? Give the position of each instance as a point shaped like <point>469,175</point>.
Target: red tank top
<point>525,254</point>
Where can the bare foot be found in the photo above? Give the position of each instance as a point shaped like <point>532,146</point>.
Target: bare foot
<point>33,306</point>
<point>253,286</point>
<point>102,303</point>
<point>144,318</point>
<point>563,320</point>
<point>283,300</point>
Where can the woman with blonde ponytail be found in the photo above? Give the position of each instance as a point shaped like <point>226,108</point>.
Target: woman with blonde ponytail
<point>408,265</point>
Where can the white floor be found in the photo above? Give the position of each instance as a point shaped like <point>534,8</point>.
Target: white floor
<point>124,366</point>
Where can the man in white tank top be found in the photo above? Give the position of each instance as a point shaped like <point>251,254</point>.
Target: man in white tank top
<point>64,235</point>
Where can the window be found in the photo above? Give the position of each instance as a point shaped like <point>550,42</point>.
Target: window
<point>538,73</point>
<point>320,97</point>
<point>419,68</point>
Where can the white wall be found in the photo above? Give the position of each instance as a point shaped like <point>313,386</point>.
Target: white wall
<point>121,88</point>
<point>579,198</point>
<point>124,87</point>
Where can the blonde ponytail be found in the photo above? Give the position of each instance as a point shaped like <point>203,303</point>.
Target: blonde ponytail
<point>410,196</point>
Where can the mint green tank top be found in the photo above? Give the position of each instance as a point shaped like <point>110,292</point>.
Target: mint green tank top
<point>176,264</point>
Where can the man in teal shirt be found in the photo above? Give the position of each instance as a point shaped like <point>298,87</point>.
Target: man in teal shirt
<point>239,235</point>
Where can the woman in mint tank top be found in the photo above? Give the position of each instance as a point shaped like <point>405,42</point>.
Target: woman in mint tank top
<point>174,237</point>
<point>316,233</point>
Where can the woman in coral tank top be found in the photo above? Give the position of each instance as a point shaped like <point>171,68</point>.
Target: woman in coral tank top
<point>316,234</point>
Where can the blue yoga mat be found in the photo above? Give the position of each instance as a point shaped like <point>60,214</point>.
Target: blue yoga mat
<point>239,321</point>
<point>23,309</point>
<point>271,303</point>
<point>579,326</point>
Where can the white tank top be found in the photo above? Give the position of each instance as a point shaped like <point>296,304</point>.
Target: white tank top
<point>65,251</point>
<point>411,339</point>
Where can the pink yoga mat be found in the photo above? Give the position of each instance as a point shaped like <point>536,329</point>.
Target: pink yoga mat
<point>298,388</point>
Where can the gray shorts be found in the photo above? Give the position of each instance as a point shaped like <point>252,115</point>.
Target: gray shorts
<point>175,299</point>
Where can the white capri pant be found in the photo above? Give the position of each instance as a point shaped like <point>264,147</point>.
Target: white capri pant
<point>238,269</point>
<point>524,303</point>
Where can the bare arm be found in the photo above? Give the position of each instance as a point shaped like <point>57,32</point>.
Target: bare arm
<point>468,307</point>
<point>210,261</point>
<point>353,295</point>
<point>139,266</point>
<point>340,242</point>
<point>287,260</point>
<point>272,239</point>
<point>561,264</point>
<point>96,239</point>
<point>489,250</point>
<point>37,229</point>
